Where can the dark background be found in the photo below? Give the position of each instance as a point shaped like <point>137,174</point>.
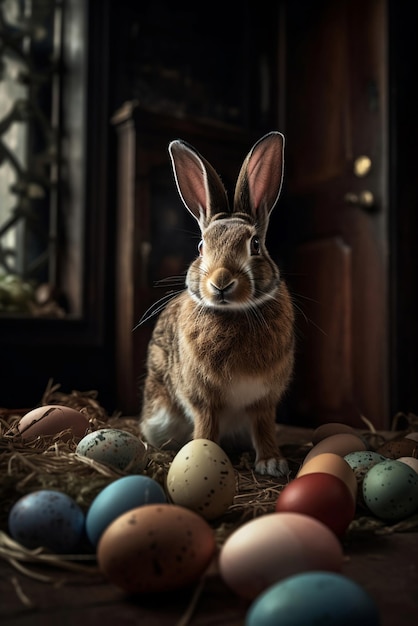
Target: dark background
<point>210,64</point>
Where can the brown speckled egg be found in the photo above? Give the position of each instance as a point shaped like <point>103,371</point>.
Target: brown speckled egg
<point>52,419</point>
<point>401,446</point>
<point>156,548</point>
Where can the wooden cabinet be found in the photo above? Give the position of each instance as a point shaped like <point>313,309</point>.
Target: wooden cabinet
<point>156,237</point>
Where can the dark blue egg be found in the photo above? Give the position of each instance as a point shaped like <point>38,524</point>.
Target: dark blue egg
<point>47,518</point>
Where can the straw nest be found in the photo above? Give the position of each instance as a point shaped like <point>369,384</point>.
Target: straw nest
<point>51,463</point>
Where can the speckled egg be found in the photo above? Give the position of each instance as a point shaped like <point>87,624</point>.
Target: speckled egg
<point>115,448</point>
<point>156,548</point>
<point>47,518</point>
<point>360,462</point>
<point>201,478</point>
<point>400,446</point>
<point>390,490</point>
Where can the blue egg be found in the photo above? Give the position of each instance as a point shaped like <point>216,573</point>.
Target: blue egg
<point>47,518</point>
<point>314,599</point>
<point>119,497</point>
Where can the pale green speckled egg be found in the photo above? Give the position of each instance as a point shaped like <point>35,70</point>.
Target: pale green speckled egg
<point>390,490</point>
<point>118,449</point>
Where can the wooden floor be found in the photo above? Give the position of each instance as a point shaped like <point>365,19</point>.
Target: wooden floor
<point>384,563</point>
<point>386,566</point>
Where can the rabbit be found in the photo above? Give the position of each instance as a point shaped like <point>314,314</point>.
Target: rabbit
<point>221,353</point>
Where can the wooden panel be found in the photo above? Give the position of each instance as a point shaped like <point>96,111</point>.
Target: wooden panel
<point>145,181</point>
<point>316,121</point>
<point>336,112</point>
<point>323,384</point>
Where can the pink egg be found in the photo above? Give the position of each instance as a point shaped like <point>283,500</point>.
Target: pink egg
<point>52,419</point>
<point>275,546</point>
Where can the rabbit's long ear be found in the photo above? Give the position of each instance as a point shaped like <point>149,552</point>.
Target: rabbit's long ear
<point>198,184</point>
<point>260,179</point>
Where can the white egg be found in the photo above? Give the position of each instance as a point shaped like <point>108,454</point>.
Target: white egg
<point>411,461</point>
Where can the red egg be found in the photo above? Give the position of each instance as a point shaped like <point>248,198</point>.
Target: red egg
<point>322,496</point>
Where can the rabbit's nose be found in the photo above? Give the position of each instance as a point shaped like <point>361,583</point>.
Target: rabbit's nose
<point>222,281</point>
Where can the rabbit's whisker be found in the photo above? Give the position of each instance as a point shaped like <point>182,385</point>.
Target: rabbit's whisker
<point>156,308</point>
<point>171,280</point>
<point>307,319</point>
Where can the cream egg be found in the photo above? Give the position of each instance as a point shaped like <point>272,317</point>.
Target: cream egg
<point>201,477</point>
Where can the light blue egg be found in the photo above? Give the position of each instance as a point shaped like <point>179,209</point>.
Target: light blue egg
<point>314,599</point>
<point>47,518</point>
<point>119,497</point>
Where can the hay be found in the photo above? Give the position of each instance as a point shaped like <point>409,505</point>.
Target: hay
<point>51,463</point>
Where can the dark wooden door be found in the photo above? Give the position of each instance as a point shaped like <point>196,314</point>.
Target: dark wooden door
<point>336,119</point>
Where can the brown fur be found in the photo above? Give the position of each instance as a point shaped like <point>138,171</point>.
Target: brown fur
<point>221,355</point>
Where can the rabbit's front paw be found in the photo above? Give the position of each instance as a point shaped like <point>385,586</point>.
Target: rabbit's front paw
<point>273,467</point>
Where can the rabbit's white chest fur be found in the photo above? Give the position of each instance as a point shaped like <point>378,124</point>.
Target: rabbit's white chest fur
<point>244,390</point>
<point>239,393</point>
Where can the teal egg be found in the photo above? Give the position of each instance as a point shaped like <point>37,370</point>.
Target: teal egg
<point>361,461</point>
<point>314,599</point>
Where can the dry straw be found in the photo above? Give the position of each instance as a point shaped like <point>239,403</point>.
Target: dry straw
<point>51,463</point>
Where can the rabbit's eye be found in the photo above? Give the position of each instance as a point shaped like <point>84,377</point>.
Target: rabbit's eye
<point>255,245</point>
<point>200,248</point>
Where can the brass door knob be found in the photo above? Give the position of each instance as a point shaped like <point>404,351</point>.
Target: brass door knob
<point>364,200</point>
<point>362,166</point>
